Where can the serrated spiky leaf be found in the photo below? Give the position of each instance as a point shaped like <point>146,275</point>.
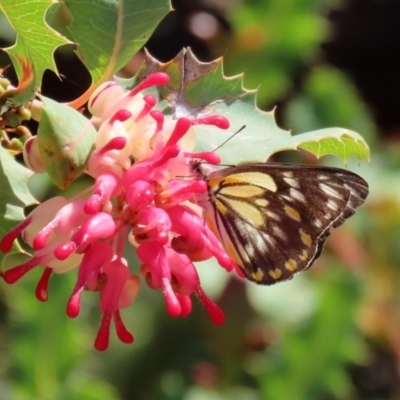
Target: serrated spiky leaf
<point>199,89</point>
<point>36,43</point>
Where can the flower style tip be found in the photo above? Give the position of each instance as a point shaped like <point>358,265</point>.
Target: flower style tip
<point>112,298</point>
<point>41,288</point>
<point>156,79</point>
<point>103,336</point>
<point>120,115</point>
<point>216,120</point>
<point>181,127</point>
<point>9,238</point>
<point>174,308</point>
<point>16,273</point>
<point>216,314</point>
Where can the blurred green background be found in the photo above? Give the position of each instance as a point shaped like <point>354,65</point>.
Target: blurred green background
<point>331,333</point>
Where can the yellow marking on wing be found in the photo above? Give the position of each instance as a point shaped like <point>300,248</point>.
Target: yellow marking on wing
<point>247,212</point>
<point>215,183</point>
<point>228,245</point>
<point>254,178</point>
<point>244,191</point>
<point>230,248</point>
<point>219,231</point>
<point>292,213</point>
<point>261,202</point>
<point>305,238</point>
<point>211,223</point>
<point>273,216</point>
<point>291,265</point>
<point>275,273</point>
<point>220,207</point>
<point>258,275</point>
<point>304,256</point>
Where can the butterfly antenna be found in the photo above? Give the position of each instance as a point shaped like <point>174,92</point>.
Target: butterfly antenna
<point>229,138</point>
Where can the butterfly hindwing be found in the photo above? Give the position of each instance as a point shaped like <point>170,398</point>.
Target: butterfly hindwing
<point>273,219</point>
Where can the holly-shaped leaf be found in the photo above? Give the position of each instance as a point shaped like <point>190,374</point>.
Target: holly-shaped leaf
<point>337,141</point>
<point>34,48</point>
<point>198,89</point>
<point>65,139</point>
<point>14,193</point>
<point>109,33</point>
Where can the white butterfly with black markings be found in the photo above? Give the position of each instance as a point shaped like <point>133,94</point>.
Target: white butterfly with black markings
<point>273,219</point>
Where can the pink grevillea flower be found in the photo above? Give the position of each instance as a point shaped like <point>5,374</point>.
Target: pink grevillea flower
<point>144,189</point>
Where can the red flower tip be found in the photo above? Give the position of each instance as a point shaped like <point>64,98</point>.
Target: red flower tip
<point>181,127</point>
<point>208,156</point>
<point>92,205</point>
<point>168,153</point>
<point>216,120</point>
<point>99,226</point>
<point>8,239</point>
<point>7,242</point>
<point>74,304</point>
<point>120,115</point>
<point>149,102</point>
<point>117,143</point>
<point>16,273</point>
<point>64,250</point>
<point>41,288</point>
<point>123,334</point>
<point>174,308</point>
<point>216,314</point>
<point>158,116</point>
<point>186,304</point>
<point>40,240</point>
<point>103,335</point>
<point>156,79</point>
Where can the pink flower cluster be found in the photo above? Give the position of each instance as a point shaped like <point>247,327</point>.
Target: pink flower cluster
<point>145,190</point>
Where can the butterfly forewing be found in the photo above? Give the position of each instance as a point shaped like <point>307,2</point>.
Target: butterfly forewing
<point>273,219</point>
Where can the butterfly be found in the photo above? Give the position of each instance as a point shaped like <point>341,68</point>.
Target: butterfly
<point>272,218</point>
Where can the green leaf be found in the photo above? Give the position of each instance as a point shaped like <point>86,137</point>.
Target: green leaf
<point>36,42</point>
<point>65,139</point>
<point>199,89</point>
<point>14,193</point>
<point>336,141</point>
<point>110,32</point>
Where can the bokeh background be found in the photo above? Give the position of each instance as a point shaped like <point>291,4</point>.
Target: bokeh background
<point>331,333</point>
